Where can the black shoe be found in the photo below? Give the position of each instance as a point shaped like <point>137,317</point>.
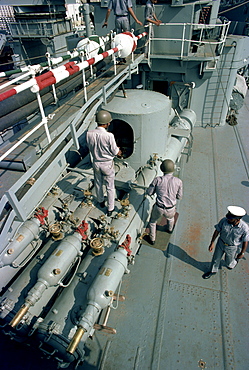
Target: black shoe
<point>148,240</point>
<point>121,62</point>
<point>170,231</point>
<point>208,274</point>
<point>109,213</point>
<point>102,204</point>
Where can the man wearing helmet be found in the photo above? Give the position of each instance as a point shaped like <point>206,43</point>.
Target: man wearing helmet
<point>168,189</point>
<point>103,148</point>
<point>232,232</point>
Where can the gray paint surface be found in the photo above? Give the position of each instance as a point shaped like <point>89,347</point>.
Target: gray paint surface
<point>172,318</point>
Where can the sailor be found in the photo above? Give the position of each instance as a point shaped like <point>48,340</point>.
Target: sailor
<point>232,231</point>
<point>91,12</point>
<point>168,189</point>
<point>121,9</point>
<point>103,148</point>
<point>150,14</point>
<point>150,17</point>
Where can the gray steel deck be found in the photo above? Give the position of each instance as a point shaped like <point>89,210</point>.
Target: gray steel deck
<point>172,319</point>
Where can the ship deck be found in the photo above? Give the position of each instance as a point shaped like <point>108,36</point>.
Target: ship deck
<point>171,318</point>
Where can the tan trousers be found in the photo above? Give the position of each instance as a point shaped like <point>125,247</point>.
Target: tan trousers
<point>156,213</point>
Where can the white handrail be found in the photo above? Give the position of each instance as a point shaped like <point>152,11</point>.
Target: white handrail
<point>201,38</point>
<point>42,123</point>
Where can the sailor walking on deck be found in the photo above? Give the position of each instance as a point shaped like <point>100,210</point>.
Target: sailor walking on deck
<point>168,189</point>
<point>103,148</point>
<point>232,232</point>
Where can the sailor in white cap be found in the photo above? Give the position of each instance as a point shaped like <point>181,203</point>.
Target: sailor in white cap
<point>232,231</point>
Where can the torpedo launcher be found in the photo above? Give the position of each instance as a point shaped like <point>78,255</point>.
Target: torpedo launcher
<point>23,245</point>
<point>96,289</point>
<point>16,295</point>
<point>148,131</point>
<point>28,231</point>
<point>102,290</point>
<point>54,270</point>
<point>54,217</point>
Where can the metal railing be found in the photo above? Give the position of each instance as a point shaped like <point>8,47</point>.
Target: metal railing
<point>182,40</point>
<point>22,208</point>
<point>36,29</point>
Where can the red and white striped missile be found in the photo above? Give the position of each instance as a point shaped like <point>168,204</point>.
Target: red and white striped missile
<point>125,43</point>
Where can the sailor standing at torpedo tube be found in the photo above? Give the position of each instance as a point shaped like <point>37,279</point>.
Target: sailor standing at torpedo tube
<point>168,189</point>
<point>103,148</point>
<point>232,232</point>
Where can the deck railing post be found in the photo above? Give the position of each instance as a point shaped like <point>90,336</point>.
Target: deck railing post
<point>183,38</point>
<point>44,118</point>
<point>15,204</point>
<point>83,76</point>
<point>53,86</point>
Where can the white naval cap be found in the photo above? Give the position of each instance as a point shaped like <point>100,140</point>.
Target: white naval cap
<point>236,211</point>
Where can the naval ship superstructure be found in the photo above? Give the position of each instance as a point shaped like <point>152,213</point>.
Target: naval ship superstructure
<point>83,290</point>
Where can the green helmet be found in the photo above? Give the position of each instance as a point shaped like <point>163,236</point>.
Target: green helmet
<point>103,117</point>
<point>167,166</point>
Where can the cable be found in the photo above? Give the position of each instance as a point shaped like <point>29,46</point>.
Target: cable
<point>236,6</point>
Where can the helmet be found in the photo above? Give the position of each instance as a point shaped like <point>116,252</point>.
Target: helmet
<point>167,166</point>
<point>103,117</point>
